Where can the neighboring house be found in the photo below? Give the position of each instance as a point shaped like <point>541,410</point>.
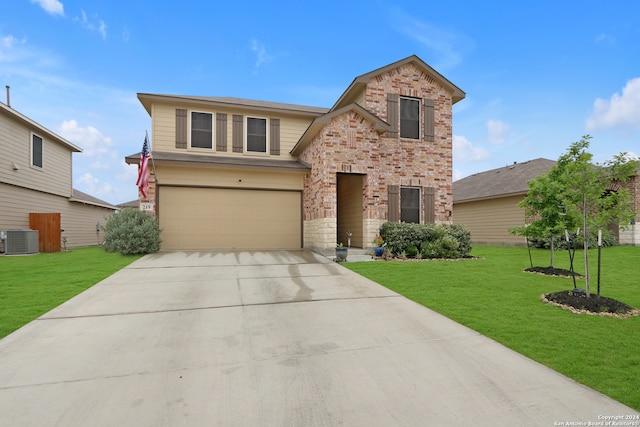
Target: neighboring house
<point>35,178</point>
<point>135,204</point>
<point>486,203</point>
<point>631,234</point>
<point>238,173</point>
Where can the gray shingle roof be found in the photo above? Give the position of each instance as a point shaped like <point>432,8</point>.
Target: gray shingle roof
<point>505,181</point>
<point>79,196</point>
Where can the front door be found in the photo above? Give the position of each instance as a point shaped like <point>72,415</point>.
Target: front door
<point>350,209</point>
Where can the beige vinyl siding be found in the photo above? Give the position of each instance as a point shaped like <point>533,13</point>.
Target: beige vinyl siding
<point>77,219</point>
<point>164,129</point>
<point>228,178</point>
<point>15,145</point>
<point>489,220</point>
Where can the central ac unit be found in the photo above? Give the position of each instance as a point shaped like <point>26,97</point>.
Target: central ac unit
<point>20,242</point>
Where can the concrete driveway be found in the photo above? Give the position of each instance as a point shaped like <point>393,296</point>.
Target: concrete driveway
<point>269,339</point>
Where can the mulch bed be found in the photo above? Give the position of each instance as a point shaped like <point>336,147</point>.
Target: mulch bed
<point>552,271</point>
<point>594,304</point>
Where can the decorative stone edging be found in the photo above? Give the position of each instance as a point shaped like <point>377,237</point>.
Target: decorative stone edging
<point>574,310</point>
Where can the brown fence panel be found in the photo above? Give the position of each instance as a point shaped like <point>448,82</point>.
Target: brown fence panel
<point>48,224</point>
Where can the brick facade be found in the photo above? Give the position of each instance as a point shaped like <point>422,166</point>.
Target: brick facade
<point>350,144</point>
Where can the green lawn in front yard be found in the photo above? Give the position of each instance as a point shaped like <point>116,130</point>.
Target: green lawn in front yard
<point>493,296</point>
<point>31,285</point>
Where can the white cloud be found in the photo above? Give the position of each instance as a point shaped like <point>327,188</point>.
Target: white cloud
<point>446,46</point>
<point>93,25</point>
<point>102,28</point>
<point>605,38</point>
<point>465,152</point>
<point>497,131</point>
<point>620,112</point>
<point>259,49</point>
<point>10,48</point>
<point>54,7</point>
<point>94,143</point>
<point>92,185</point>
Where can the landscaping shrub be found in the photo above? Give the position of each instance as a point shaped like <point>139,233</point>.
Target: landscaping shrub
<point>426,240</point>
<point>411,251</point>
<point>132,232</point>
<point>461,235</point>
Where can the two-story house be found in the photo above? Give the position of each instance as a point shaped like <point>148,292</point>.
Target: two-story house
<point>237,173</point>
<point>36,183</point>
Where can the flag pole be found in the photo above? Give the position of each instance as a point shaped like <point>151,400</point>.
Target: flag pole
<point>153,163</point>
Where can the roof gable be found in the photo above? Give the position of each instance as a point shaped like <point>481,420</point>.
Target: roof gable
<point>507,181</point>
<point>360,82</point>
<point>318,123</point>
<point>10,112</point>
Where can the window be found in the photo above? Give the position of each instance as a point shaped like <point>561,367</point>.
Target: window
<point>256,135</point>
<point>409,118</point>
<point>36,151</point>
<point>410,204</point>
<point>201,130</point>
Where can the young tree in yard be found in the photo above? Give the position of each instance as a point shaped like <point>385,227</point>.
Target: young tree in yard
<point>577,193</point>
<point>544,205</point>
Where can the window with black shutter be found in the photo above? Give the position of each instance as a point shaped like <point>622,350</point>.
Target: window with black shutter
<point>410,204</point>
<point>410,118</point>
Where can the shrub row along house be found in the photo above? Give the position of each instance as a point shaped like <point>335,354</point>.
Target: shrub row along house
<point>36,187</point>
<point>486,203</point>
<point>246,174</point>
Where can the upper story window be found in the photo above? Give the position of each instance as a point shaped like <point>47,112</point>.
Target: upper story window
<point>212,131</point>
<point>36,151</point>
<point>409,118</point>
<point>256,135</point>
<point>201,130</point>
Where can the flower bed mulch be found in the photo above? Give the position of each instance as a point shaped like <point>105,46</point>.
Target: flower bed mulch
<point>594,304</point>
<point>552,271</point>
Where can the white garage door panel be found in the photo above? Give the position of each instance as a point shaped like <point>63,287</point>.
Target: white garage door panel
<point>207,218</point>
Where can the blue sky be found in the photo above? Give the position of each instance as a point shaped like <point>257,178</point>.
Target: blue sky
<point>538,75</point>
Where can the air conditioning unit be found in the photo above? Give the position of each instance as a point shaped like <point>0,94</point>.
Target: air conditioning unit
<point>20,242</point>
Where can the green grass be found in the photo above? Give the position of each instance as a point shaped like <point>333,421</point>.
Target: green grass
<point>32,285</point>
<point>493,296</point>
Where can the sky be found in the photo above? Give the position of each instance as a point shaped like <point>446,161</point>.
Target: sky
<point>538,75</point>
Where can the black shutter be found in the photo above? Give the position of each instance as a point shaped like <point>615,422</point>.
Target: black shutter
<point>221,132</point>
<point>393,193</point>
<point>429,125</point>
<point>181,128</point>
<point>429,204</point>
<point>238,135</point>
<point>392,114</point>
<point>274,137</point>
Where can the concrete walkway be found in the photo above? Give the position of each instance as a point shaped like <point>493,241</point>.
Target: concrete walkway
<point>269,339</point>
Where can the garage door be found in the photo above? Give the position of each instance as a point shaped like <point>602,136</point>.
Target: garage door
<point>212,218</point>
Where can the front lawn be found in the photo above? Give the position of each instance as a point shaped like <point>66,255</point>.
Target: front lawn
<point>32,285</point>
<point>493,296</point>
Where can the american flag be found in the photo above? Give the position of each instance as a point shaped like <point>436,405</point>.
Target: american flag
<point>143,169</point>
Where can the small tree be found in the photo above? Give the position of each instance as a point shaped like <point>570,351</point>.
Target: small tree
<point>543,203</point>
<point>577,193</point>
<point>131,232</point>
